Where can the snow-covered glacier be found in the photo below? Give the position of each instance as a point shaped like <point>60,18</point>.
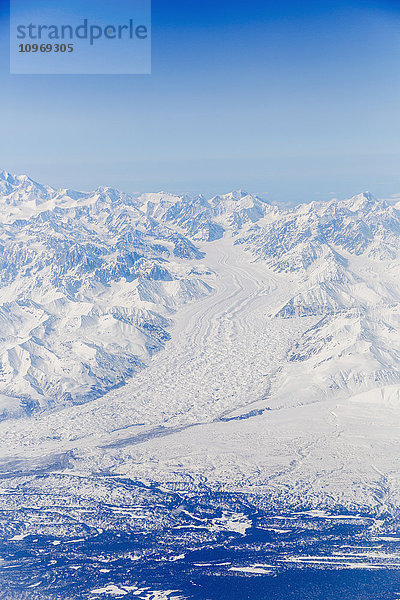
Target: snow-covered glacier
<point>221,373</point>
<point>88,286</point>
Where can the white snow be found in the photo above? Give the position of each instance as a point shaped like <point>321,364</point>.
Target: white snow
<point>111,590</point>
<point>257,569</point>
<point>18,537</point>
<point>282,372</point>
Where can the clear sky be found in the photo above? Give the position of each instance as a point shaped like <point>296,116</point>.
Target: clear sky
<point>294,100</point>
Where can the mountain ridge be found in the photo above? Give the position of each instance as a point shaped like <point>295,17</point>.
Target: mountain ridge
<point>95,277</point>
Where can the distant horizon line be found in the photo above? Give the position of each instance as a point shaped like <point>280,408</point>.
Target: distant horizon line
<point>393,198</point>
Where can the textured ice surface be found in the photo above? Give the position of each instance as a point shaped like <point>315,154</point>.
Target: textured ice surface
<point>185,347</point>
<point>280,368</point>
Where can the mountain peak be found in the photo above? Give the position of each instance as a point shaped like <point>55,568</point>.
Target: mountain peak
<point>362,201</point>
<point>15,179</point>
<point>238,194</point>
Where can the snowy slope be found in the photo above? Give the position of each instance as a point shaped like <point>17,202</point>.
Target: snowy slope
<point>344,257</point>
<point>87,289</point>
<point>280,375</point>
<point>206,220</point>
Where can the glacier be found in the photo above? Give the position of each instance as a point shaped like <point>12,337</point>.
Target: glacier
<point>157,346</point>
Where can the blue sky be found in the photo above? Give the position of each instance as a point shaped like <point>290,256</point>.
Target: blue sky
<point>296,101</point>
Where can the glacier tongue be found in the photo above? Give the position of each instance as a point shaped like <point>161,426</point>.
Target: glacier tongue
<point>280,331</point>
<point>88,285</point>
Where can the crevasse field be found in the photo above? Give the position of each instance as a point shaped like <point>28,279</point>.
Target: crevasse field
<point>199,398</point>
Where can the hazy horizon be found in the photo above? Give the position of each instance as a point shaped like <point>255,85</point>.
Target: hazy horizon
<point>294,101</point>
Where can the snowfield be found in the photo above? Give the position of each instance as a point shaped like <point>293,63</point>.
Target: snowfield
<point>187,341</point>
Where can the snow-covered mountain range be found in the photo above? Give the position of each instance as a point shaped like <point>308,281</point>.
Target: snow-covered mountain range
<point>344,259</point>
<point>258,313</point>
<point>88,283</point>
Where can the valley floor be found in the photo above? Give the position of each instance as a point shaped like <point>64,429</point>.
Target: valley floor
<point>219,406</point>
